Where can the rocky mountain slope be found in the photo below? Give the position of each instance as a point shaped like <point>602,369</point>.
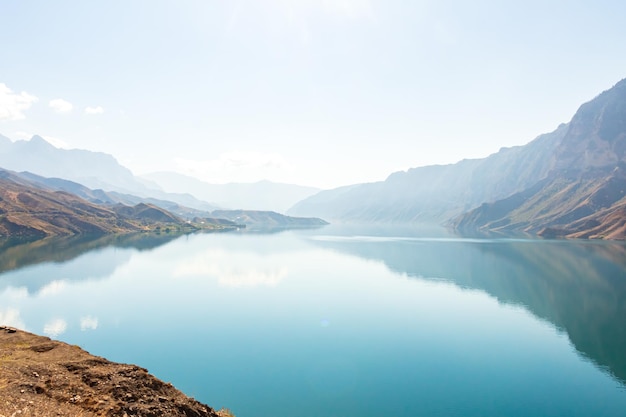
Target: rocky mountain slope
<point>100,196</point>
<point>43,377</point>
<point>584,194</point>
<point>29,210</point>
<point>35,206</point>
<point>570,182</point>
<point>438,192</point>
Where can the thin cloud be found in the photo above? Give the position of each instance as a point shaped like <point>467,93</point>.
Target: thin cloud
<point>88,323</point>
<point>55,327</point>
<point>11,317</point>
<point>235,166</point>
<point>251,278</point>
<point>254,272</point>
<point>12,105</point>
<point>60,106</point>
<point>53,288</point>
<point>94,110</point>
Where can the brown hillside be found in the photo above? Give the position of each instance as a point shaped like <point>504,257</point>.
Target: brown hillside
<point>31,210</point>
<point>41,377</point>
<point>584,196</point>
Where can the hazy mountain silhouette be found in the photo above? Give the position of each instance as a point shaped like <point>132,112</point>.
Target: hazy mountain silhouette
<point>262,195</point>
<point>100,171</point>
<point>111,197</point>
<point>92,169</point>
<point>437,192</point>
<point>267,219</point>
<point>95,170</point>
<point>570,182</point>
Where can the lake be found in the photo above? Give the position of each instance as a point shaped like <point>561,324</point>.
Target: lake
<point>341,321</point>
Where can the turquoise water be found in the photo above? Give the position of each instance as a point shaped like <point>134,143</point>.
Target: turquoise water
<point>341,322</point>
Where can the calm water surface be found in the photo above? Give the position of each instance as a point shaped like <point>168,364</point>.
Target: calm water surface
<point>341,322</point>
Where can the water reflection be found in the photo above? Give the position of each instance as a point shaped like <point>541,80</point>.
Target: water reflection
<point>578,286</point>
<point>300,323</point>
<point>240,269</point>
<point>59,251</point>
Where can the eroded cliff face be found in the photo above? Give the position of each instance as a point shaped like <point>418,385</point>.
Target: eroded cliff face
<point>584,194</point>
<point>596,137</point>
<point>43,377</point>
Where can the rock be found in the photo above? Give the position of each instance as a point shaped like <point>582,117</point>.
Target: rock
<point>8,329</point>
<point>80,384</point>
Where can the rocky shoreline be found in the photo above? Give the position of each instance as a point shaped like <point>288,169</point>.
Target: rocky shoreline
<point>42,377</point>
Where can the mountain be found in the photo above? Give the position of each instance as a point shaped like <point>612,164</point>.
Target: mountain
<point>584,194</point>
<point>53,206</point>
<point>267,219</point>
<point>30,210</point>
<point>438,192</point>
<point>567,183</point>
<point>95,170</point>
<point>112,197</point>
<point>262,195</point>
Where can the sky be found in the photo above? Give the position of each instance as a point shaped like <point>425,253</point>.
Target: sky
<point>312,92</point>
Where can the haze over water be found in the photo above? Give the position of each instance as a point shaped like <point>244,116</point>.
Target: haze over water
<point>341,321</point>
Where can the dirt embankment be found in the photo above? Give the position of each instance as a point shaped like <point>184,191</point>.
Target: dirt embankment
<point>41,377</point>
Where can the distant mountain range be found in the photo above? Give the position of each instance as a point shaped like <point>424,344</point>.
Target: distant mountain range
<point>30,210</point>
<point>95,170</point>
<point>100,171</point>
<point>567,183</point>
<point>262,195</point>
<point>110,197</point>
<point>437,193</point>
<point>267,219</point>
<point>35,206</point>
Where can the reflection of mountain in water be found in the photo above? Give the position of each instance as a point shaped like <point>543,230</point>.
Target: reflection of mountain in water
<point>88,254</point>
<point>578,286</point>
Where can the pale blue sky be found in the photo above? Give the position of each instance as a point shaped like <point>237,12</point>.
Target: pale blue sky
<point>314,92</point>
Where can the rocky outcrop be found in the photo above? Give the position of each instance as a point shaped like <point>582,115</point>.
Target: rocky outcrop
<point>584,194</point>
<point>41,377</point>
